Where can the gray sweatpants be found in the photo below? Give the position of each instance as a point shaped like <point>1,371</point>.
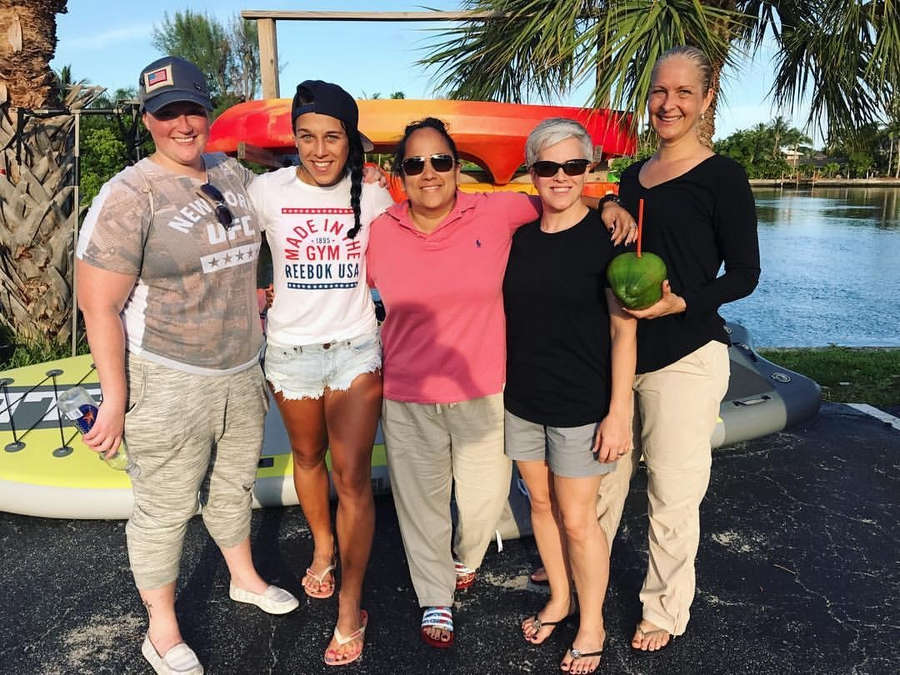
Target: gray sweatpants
<point>189,436</point>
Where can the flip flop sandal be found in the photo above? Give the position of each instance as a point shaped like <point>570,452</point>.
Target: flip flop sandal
<point>358,634</point>
<point>578,654</point>
<point>645,633</point>
<point>437,617</point>
<point>320,579</point>
<point>537,623</point>
<point>465,576</point>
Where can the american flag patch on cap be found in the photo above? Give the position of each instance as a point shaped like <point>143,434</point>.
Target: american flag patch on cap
<point>156,79</point>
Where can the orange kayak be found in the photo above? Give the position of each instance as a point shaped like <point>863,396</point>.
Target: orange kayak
<point>490,134</point>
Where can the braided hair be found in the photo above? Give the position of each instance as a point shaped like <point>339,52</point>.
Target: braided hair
<point>354,165</point>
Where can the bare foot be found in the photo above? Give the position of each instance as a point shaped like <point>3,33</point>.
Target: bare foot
<point>649,638</point>
<point>318,582</point>
<point>347,645</point>
<point>437,626</point>
<point>538,627</point>
<point>438,634</point>
<point>539,576</point>
<point>585,653</point>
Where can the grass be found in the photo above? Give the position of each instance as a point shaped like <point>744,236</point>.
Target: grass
<point>847,374</point>
<point>15,354</point>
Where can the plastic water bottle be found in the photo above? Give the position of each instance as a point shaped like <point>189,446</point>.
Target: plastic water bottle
<point>80,408</point>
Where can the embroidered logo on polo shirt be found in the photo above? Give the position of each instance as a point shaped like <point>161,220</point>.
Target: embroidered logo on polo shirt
<point>478,243</point>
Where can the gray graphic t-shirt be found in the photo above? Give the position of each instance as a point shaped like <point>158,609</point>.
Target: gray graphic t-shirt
<point>193,306</point>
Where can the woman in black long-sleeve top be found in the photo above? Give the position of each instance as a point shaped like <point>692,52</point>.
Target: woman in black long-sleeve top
<point>698,213</point>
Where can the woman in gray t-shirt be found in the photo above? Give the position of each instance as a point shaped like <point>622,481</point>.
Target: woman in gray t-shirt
<point>166,263</point>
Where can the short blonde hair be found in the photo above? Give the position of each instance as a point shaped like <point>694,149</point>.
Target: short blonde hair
<point>555,130</point>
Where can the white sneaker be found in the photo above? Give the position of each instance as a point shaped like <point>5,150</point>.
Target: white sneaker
<point>179,660</point>
<point>274,600</point>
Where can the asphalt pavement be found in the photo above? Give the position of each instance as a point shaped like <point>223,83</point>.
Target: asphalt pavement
<point>797,573</point>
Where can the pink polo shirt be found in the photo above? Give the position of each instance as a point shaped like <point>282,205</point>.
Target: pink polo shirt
<point>444,336</point>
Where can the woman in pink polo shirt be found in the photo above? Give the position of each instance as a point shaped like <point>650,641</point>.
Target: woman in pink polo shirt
<point>438,261</point>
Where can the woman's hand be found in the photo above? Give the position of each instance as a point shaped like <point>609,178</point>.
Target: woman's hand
<point>613,438</point>
<point>619,222</point>
<point>372,173</point>
<point>669,303</point>
<point>106,434</point>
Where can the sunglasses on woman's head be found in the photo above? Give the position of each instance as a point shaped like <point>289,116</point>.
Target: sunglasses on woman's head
<point>413,166</point>
<point>572,167</point>
<point>213,195</point>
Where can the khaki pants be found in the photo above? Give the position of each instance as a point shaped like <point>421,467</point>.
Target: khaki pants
<point>676,409</point>
<point>429,448</point>
<point>189,436</point>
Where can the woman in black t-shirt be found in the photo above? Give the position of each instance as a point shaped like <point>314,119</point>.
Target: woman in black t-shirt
<point>698,213</point>
<point>570,367</point>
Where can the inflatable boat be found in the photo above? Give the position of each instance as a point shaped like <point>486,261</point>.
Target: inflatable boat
<point>45,469</point>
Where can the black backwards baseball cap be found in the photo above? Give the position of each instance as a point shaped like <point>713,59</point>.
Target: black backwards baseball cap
<point>329,99</point>
<point>169,80</point>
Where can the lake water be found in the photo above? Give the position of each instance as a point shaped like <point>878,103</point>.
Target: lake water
<point>830,269</point>
<point>830,261</point>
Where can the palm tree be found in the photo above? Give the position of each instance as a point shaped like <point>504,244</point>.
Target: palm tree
<point>844,53</point>
<point>36,175</point>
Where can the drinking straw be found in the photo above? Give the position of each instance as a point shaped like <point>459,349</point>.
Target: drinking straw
<point>640,225</point>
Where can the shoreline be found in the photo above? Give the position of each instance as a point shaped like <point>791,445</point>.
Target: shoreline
<point>822,348</point>
<point>824,182</point>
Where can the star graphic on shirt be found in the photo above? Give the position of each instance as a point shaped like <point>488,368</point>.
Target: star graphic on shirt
<point>213,262</point>
<point>240,255</point>
<point>227,258</point>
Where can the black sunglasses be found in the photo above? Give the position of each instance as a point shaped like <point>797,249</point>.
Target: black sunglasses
<point>572,167</point>
<point>413,166</point>
<point>212,194</point>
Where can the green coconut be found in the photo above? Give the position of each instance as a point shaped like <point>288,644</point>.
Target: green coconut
<point>636,282</point>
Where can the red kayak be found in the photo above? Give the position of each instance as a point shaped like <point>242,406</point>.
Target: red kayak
<point>490,134</point>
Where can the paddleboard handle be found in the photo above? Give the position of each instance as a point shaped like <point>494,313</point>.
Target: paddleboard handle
<point>16,445</point>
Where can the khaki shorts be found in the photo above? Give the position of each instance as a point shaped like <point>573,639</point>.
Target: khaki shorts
<point>568,451</point>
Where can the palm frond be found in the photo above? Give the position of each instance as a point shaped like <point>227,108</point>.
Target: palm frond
<point>546,47</point>
<point>828,55</point>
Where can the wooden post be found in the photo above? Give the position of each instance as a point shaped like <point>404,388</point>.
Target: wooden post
<point>76,221</point>
<point>268,57</point>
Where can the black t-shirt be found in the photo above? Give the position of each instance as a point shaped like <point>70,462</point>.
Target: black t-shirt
<point>694,222</point>
<point>557,324</point>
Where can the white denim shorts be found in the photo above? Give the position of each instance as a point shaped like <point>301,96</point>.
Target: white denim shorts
<point>305,371</point>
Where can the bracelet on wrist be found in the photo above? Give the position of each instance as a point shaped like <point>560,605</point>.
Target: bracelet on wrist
<point>608,197</point>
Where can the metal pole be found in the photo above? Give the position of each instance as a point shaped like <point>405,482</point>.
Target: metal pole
<point>76,212</point>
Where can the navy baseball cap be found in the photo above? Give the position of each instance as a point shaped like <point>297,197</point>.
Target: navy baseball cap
<point>169,80</point>
<point>329,99</point>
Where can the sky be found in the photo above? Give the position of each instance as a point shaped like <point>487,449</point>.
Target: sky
<point>108,43</point>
